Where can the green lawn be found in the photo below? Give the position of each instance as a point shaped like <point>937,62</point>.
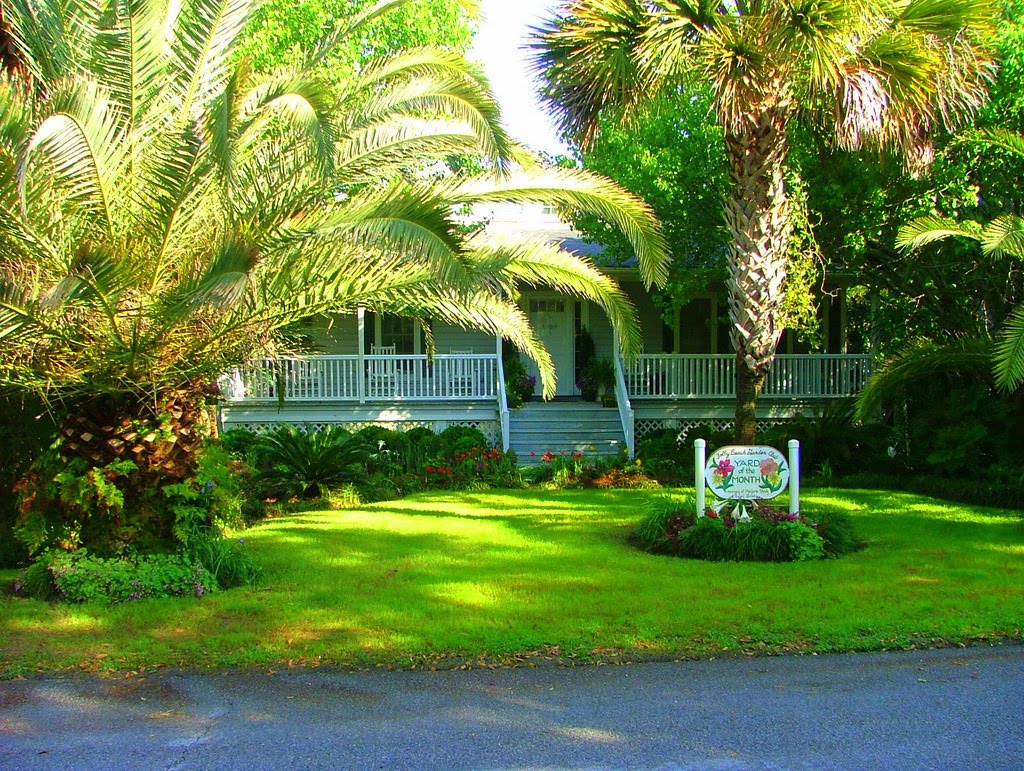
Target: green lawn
<point>508,576</point>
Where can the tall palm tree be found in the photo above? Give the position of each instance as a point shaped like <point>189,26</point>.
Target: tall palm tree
<point>878,72</point>
<point>165,212</point>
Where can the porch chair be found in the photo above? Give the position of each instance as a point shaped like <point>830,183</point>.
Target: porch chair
<point>461,374</point>
<point>382,374</point>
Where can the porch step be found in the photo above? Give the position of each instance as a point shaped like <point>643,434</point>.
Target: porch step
<point>564,427</point>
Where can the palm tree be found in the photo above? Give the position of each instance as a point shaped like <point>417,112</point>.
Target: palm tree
<point>166,213</point>
<point>875,72</point>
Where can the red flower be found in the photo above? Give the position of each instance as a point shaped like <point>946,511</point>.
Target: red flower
<point>713,514</point>
<point>430,469</point>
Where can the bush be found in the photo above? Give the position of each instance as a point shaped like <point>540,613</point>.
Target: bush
<point>770,535</point>
<point>836,530</point>
<point>519,385</point>
<point>718,539</point>
<point>307,464</point>
<point>664,457</point>
<point>460,439</point>
<point>27,429</point>
<point>240,444</point>
<point>210,499</point>
<point>68,504</point>
<point>79,577</point>
<point>833,442</point>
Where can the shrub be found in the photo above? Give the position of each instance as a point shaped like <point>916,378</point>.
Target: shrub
<point>769,535</point>
<point>240,444</point>
<point>307,464</point>
<point>460,439</point>
<point>211,498</point>
<point>26,430</point>
<point>718,538</point>
<point>997,492</point>
<point>519,385</point>
<point>833,441</point>
<point>836,530</point>
<point>67,504</point>
<point>80,577</point>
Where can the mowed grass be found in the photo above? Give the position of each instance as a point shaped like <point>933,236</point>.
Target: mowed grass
<point>509,577</point>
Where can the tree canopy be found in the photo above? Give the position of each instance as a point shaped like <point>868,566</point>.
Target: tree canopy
<point>869,72</point>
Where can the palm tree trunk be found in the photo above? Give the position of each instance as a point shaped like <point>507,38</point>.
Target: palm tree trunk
<point>757,214</point>
<point>162,443</point>
<point>748,388</point>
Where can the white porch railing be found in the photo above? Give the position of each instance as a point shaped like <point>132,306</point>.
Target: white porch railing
<point>713,376</point>
<point>464,376</point>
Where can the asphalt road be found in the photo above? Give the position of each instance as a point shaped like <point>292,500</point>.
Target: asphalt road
<point>944,709</point>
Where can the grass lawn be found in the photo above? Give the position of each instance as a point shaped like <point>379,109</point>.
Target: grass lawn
<point>514,576</point>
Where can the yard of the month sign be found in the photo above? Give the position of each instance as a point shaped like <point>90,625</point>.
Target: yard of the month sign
<point>746,473</point>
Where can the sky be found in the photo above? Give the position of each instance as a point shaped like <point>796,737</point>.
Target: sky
<point>498,45</point>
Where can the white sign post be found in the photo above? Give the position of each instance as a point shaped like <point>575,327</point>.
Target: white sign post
<point>794,476</point>
<point>698,461</point>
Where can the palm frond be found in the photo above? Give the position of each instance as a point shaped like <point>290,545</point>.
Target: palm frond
<point>133,59</point>
<point>80,152</point>
<point>1004,235</point>
<point>919,362</point>
<point>382,150</point>
<point>535,262</point>
<point>1009,353</point>
<point>926,230</point>
<point>589,60</point>
<point>578,190</point>
<point>54,40</point>
<point>202,49</point>
<point>428,81</point>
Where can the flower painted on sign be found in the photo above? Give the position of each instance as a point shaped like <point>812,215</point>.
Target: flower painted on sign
<point>771,477</point>
<point>722,474</point>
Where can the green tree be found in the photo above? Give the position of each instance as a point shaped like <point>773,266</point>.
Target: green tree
<point>279,31</point>
<point>860,201</point>
<point>873,72</point>
<point>167,212</point>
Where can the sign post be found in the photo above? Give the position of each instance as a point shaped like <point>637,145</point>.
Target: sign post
<point>794,478</point>
<point>698,482</point>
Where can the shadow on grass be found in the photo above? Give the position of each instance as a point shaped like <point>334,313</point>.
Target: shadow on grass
<point>506,572</point>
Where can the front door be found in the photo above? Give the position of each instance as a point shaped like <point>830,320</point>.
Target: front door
<point>551,317</point>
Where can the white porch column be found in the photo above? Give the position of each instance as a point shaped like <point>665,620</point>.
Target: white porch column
<point>361,366</point>
<point>503,417</point>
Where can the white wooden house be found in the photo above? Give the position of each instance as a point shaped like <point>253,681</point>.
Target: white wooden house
<point>375,370</point>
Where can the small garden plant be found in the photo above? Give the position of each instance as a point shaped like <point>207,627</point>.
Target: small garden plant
<point>762,533</point>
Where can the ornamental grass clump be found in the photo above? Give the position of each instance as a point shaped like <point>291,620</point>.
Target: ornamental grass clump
<point>761,534</point>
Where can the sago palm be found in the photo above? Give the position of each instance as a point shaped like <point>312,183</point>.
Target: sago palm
<point>882,72</point>
<point>165,212</point>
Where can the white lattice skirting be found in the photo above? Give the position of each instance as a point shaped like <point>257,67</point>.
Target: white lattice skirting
<point>646,426</point>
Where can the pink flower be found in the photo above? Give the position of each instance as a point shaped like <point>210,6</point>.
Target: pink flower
<point>725,467</point>
<point>769,467</point>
